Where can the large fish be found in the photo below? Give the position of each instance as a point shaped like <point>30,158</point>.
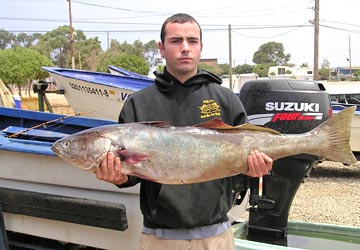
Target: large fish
<point>177,155</point>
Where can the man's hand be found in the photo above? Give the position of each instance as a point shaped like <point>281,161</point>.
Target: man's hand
<point>259,164</point>
<point>110,170</point>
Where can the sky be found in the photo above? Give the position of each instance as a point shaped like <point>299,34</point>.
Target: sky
<point>253,23</point>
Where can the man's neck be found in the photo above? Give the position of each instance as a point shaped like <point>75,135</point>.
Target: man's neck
<point>182,78</point>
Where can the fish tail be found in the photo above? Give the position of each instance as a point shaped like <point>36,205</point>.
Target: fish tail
<point>336,133</point>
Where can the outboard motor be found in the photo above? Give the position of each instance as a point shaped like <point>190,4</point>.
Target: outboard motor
<point>290,107</point>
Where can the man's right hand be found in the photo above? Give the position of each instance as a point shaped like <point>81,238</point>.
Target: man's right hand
<point>110,170</point>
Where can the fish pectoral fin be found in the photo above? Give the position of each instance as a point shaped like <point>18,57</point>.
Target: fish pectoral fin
<point>133,157</point>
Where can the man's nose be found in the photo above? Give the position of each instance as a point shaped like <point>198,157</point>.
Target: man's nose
<point>185,46</point>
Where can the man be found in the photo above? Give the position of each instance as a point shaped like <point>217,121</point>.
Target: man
<point>189,216</point>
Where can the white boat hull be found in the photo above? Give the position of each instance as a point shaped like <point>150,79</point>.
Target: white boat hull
<point>94,94</point>
<point>93,100</point>
<point>50,175</point>
<point>355,131</point>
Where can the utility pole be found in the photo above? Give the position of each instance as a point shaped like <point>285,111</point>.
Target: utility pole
<point>108,39</point>
<point>350,59</point>
<point>230,59</point>
<point>316,41</point>
<point>71,38</point>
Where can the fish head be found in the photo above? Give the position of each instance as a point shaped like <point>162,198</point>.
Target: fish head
<point>84,150</point>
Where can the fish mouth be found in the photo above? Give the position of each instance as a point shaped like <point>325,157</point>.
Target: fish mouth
<point>55,149</point>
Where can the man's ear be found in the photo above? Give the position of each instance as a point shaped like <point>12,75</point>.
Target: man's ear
<point>161,48</point>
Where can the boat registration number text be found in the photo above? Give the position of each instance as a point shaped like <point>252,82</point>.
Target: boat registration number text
<point>89,90</point>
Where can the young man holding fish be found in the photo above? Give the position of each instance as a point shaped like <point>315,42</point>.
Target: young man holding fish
<point>191,216</point>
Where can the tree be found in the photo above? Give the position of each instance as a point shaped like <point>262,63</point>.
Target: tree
<point>324,72</point>
<point>357,73</point>
<point>271,52</point>
<point>56,45</point>
<point>129,62</point>
<point>25,40</point>
<point>10,40</point>
<point>149,51</point>
<point>21,65</point>
<point>245,68</point>
<point>6,39</point>
<point>152,54</point>
<point>262,69</point>
<point>87,52</point>
<point>224,68</point>
<point>215,69</point>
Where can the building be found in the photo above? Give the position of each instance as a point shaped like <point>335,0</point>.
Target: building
<point>299,73</point>
<point>210,61</point>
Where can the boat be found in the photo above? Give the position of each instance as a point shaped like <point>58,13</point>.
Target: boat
<point>343,95</point>
<point>6,99</point>
<point>95,94</point>
<point>43,196</point>
<point>123,72</point>
<point>343,92</point>
<point>301,236</point>
<point>355,125</point>
<point>238,80</point>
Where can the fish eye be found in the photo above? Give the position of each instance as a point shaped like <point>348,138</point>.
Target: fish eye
<point>66,144</point>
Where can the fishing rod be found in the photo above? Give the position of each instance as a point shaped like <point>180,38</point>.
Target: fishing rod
<point>44,124</point>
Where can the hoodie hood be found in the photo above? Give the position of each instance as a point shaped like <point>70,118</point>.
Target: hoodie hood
<point>167,82</point>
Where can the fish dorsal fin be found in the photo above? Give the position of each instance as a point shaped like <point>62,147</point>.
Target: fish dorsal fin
<point>255,128</point>
<point>219,125</point>
<point>158,124</point>
<point>216,123</point>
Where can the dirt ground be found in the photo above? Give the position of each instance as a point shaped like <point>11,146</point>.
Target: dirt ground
<point>58,103</point>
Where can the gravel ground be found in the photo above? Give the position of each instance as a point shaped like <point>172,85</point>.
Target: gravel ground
<point>331,194</point>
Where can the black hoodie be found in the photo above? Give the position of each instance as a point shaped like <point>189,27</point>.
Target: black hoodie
<point>199,99</point>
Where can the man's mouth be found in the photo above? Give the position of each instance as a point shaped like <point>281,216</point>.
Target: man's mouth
<point>185,59</point>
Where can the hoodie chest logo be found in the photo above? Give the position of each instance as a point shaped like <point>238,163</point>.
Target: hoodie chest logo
<point>209,108</point>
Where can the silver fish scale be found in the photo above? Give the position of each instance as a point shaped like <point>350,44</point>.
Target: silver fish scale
<point>180,154</point>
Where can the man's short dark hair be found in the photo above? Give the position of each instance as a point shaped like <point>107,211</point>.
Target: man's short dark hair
<point>178,18</point>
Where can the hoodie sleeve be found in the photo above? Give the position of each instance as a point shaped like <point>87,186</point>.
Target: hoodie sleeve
<point>127,113</point>
<point>239,113</point>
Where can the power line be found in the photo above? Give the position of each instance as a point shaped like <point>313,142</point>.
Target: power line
<point>122,9</point>
<point>156,30</point>
<point>286,32</point>
<point>75,21</point>
<point>349,24</point>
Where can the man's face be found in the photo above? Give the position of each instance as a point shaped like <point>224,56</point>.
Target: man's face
<point>181,49</point>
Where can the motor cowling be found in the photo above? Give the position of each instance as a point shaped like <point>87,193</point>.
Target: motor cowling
<point>290,107</point>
